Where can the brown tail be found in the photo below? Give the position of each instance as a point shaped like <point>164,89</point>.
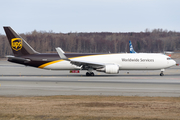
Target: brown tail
<point>18,45</point>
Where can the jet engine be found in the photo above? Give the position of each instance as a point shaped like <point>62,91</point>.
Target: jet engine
<point>109,69</point>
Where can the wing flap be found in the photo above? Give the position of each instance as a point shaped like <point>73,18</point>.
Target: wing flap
<point>88,64</point>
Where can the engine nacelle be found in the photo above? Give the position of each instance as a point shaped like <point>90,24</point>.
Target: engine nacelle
<point>109,69</point>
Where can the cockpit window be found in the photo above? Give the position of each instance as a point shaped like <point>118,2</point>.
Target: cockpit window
<point>169,58</point>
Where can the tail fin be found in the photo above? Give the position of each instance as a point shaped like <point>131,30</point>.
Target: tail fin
<point>131,47</point>
<point>18,45</point>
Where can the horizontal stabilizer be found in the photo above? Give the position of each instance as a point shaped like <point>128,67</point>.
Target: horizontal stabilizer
<point>19,59</point>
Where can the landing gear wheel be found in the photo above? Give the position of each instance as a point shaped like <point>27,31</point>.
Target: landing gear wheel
<point>92,74</point>
<point>161,74</point>
<point>162,70</point>
<point>89,74</point>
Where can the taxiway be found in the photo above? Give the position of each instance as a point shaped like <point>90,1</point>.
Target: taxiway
<point>18,80</point>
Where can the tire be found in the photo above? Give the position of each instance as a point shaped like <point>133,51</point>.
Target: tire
<point>161,74</point>
<point>92,74</point>
<point>87,74</point>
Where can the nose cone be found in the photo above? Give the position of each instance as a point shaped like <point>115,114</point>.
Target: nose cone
<point>173,62</point>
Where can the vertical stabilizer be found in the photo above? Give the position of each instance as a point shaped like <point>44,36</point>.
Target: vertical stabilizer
<point>131,47</point>
<point>18,45</point>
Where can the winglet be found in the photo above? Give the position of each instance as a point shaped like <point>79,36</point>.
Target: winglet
<point>61,54</point>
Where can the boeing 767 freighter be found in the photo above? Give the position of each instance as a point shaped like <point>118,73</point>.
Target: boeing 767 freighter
<point>108,63</point>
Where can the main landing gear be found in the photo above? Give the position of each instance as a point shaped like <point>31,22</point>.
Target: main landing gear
<point>89,74</point>
<point>162,74</point>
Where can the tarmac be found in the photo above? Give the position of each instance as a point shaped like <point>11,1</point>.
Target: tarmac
<point>19,80</point>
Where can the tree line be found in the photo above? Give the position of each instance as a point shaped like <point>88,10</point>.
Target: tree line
<point>153,41</point>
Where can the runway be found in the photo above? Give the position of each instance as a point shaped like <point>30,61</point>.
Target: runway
<point>17,80</point>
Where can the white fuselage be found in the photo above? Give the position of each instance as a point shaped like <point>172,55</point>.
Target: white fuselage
<point>126,61</point>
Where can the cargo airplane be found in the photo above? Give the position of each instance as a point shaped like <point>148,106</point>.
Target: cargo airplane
<point>108,63</point>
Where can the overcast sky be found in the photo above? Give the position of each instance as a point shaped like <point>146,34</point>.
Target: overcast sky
<point>89,15</point>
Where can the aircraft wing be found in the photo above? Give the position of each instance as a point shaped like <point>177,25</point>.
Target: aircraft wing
<point>84,64</point>
<point>88,64</point>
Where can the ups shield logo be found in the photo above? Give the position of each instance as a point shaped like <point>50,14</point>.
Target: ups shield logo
<point>16,44</point>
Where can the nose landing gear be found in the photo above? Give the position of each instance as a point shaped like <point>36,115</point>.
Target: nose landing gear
<point>162,74</point>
